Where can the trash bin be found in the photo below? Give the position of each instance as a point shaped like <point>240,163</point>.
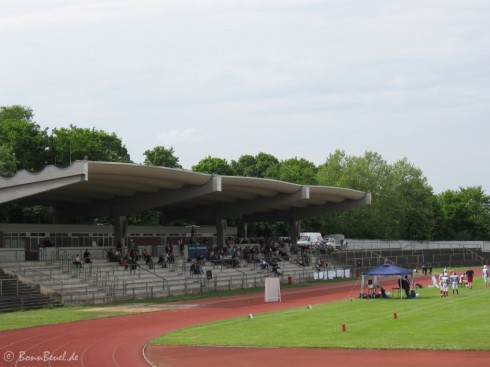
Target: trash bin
<point>290,280</point>
<point>358,273</point>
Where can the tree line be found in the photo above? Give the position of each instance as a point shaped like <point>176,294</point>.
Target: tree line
<point>404,206</point>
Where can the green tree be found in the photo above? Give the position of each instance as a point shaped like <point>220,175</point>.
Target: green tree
<point>245,166</point>
<point>25,139</point>
<point>160,156</point>
<point>298,171</point>
<point>17,213</point>
<point>70,144</point>
<point>465,214</point>
<point>263,165</point>
<point>368,173</point>
<point>268,229</point>
<point>16,113</point>
<point>145,218</point>
<point>8,163</point>
<point>331,173</point>
<point>403,205</point>
<point>413,200</point>
<point>213,165</point>
<point>267,166</point>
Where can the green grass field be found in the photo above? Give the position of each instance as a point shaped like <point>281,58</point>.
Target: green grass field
<point>427,322</point>
<point>48,316</point>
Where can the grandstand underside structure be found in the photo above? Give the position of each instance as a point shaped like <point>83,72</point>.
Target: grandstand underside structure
<point>104,189</point>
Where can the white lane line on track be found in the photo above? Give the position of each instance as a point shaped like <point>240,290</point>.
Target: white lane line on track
<point>114,355</point>
<point>146,358</point>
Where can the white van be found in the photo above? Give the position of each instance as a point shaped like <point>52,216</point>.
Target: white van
<point>309,238</point>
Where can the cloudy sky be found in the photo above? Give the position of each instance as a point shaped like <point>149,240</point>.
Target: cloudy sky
<point>292,78</point>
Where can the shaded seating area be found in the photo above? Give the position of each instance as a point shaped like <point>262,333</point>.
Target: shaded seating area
<point>385,270</point>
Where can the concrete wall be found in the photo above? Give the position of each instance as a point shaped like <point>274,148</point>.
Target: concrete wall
<point>12,254</point>
<point>414,245</point>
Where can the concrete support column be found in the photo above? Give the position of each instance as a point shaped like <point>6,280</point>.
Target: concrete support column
<point>162,218</point>
<point>55,218</point>
<point>120,228</point>
<point>245,230</point>
<point>294,226</point>
<point>220,228</point>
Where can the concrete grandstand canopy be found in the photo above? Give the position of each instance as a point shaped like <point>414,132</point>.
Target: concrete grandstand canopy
<point>92,189</point>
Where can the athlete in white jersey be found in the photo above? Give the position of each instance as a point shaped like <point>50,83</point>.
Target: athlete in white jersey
<point>454,282</point>
<point>444,285</point>
<point>486,275</point>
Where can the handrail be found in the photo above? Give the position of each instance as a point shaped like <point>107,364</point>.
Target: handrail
<point>7,281</point>
<point>33,282</point>
<point>410,244</point>
<point>482,259</point>
<point>154,274</point>
<point>98,275</point>
<point>43,275</point>
<point>244,275</point>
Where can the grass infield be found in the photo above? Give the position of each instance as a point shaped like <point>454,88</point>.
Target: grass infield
<point>427,322</point>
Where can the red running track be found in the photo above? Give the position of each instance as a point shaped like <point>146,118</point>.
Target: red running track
<point>121,341</point>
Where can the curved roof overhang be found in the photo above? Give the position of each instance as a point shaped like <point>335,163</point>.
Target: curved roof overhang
<point>88,188</point>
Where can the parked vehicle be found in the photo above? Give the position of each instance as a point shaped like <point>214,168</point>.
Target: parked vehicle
<point>307,239</point>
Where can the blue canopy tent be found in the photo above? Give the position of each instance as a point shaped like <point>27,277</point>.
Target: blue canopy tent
<point>386,270</point>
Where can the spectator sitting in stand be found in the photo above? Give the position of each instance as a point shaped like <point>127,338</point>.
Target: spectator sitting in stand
<point>148,259</point>
<point>196,268</point>
<point>274,267</point>
<point>162,261</point>
<point>321,264</point>
<point>199,267</point>
<point>134,255</point>
<point>235,261</point>
<point>132,264</point>
<point>77,261</point>
<point>306,259</point>
<point>263,264</point>
<point>283,254</point>
<point>124,261</point>
<point>149,262</point>
<point>87,256</point>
